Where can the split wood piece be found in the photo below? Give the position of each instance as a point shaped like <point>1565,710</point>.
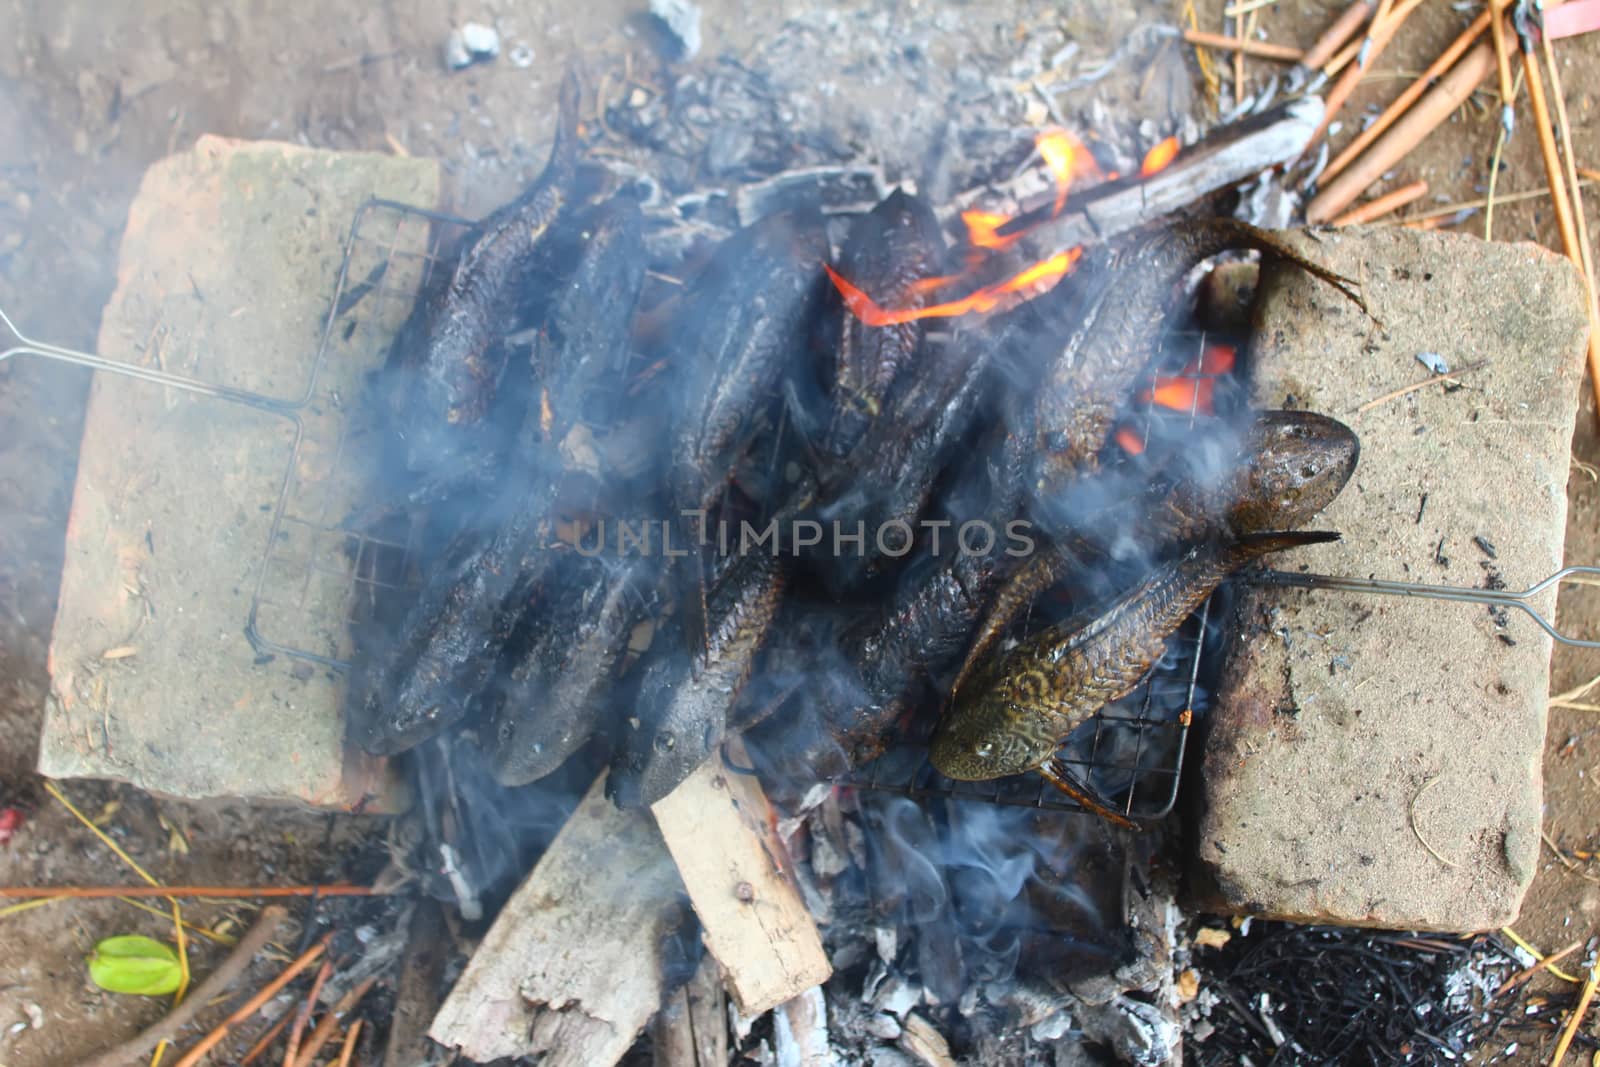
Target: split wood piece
<point>1446,60</point>
<point>1435,106</point>
<point>572,967</point>
<point>1344,27</point>
<point>718,827</point>
<point>692,1028</point>
<point>1381,206</point>
<point>920,1038</point>
<point>416,995</point>
<point>800,1030</point>
<point>135,1049</point>
<point>1228,156</point>
<point>1261,49</point>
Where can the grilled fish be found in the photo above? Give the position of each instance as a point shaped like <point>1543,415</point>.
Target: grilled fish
<point>452,637</point>
<point>885,661</point>
<point>1014,715</point>
<point>890,251</point>
<point>583,348</point>
<point>733,343</point>
<point>1289,466</point>
<point>684,702</point>
<point>553,698</point>
<point>1121,325</point>
<point>454,369</point>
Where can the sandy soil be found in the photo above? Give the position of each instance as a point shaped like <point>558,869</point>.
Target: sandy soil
<point>92,93</point>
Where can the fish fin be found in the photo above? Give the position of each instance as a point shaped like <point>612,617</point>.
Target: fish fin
<point>1055,771</point>
<point>1253,546</point>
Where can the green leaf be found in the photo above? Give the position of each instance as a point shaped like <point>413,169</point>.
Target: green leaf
<point>138,965</point>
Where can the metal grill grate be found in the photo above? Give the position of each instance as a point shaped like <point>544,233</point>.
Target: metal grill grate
<point>314,558</point>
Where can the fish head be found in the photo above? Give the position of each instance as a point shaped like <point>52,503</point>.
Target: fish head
<point>680,726</point>
<point>1297,462</point>
<point>988,736</point>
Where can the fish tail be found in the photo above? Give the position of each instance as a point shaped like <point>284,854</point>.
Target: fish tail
<point>1271,244</point>
<point>564,153</point>
<point>1252,547</point>
<point>1236,233</point>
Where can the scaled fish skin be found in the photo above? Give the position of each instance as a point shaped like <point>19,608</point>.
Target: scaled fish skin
<point>452,637</point>
<point>684,703</point>
<point>450,381</point>
<point>1012,718</point>
<point>554,697</point>
<point>735,337</point>
<point>1289,466</point>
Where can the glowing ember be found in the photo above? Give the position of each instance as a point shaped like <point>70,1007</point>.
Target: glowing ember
<point>1217,358</point>
<point>1158,157</point>
<point>1191,395</point>
<point>1130,441</point>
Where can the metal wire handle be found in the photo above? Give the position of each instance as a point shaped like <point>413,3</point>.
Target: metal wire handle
<point>23,345</point>
<point>1494,598</point>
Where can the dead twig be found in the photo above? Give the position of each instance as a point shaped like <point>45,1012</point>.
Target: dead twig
<point>1521,943</point>
<point>237,892</point>
<point>1260,49</point>
<point>1413,387</point>
<point>349,1047</point>
<point>330,1021</point>
<point>227,972</point>
<point>1471,205</point>
<point>1446,60</point>
<point>1528,972</point>
<point>1381,206</point>
<point>1578,1013</point>
<point>303,1015</point>
<point>253,1005</point>
<point>266,1039</point>
<point>1385,24</point>
<point>1344,27</point>
<point>1585,262</point>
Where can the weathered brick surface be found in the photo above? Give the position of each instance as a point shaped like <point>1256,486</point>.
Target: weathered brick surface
<point>228,265</point>
<point>1375,760</point>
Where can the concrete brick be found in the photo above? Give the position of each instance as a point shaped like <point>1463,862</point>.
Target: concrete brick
<point>227,268</point>
<point>1376,761</point>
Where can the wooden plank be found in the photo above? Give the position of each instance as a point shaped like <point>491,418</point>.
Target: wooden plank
<point>692,1028</point>
<point>717,826</point>
<point>572,969</point>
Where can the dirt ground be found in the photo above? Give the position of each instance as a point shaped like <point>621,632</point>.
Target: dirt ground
<point>90,94</point>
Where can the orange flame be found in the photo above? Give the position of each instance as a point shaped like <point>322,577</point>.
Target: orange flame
<point>983,230</point>
<point>1158,157</point>
<point>1130,440</point>
<point>1030,281</point>
<point>1066,158</point>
